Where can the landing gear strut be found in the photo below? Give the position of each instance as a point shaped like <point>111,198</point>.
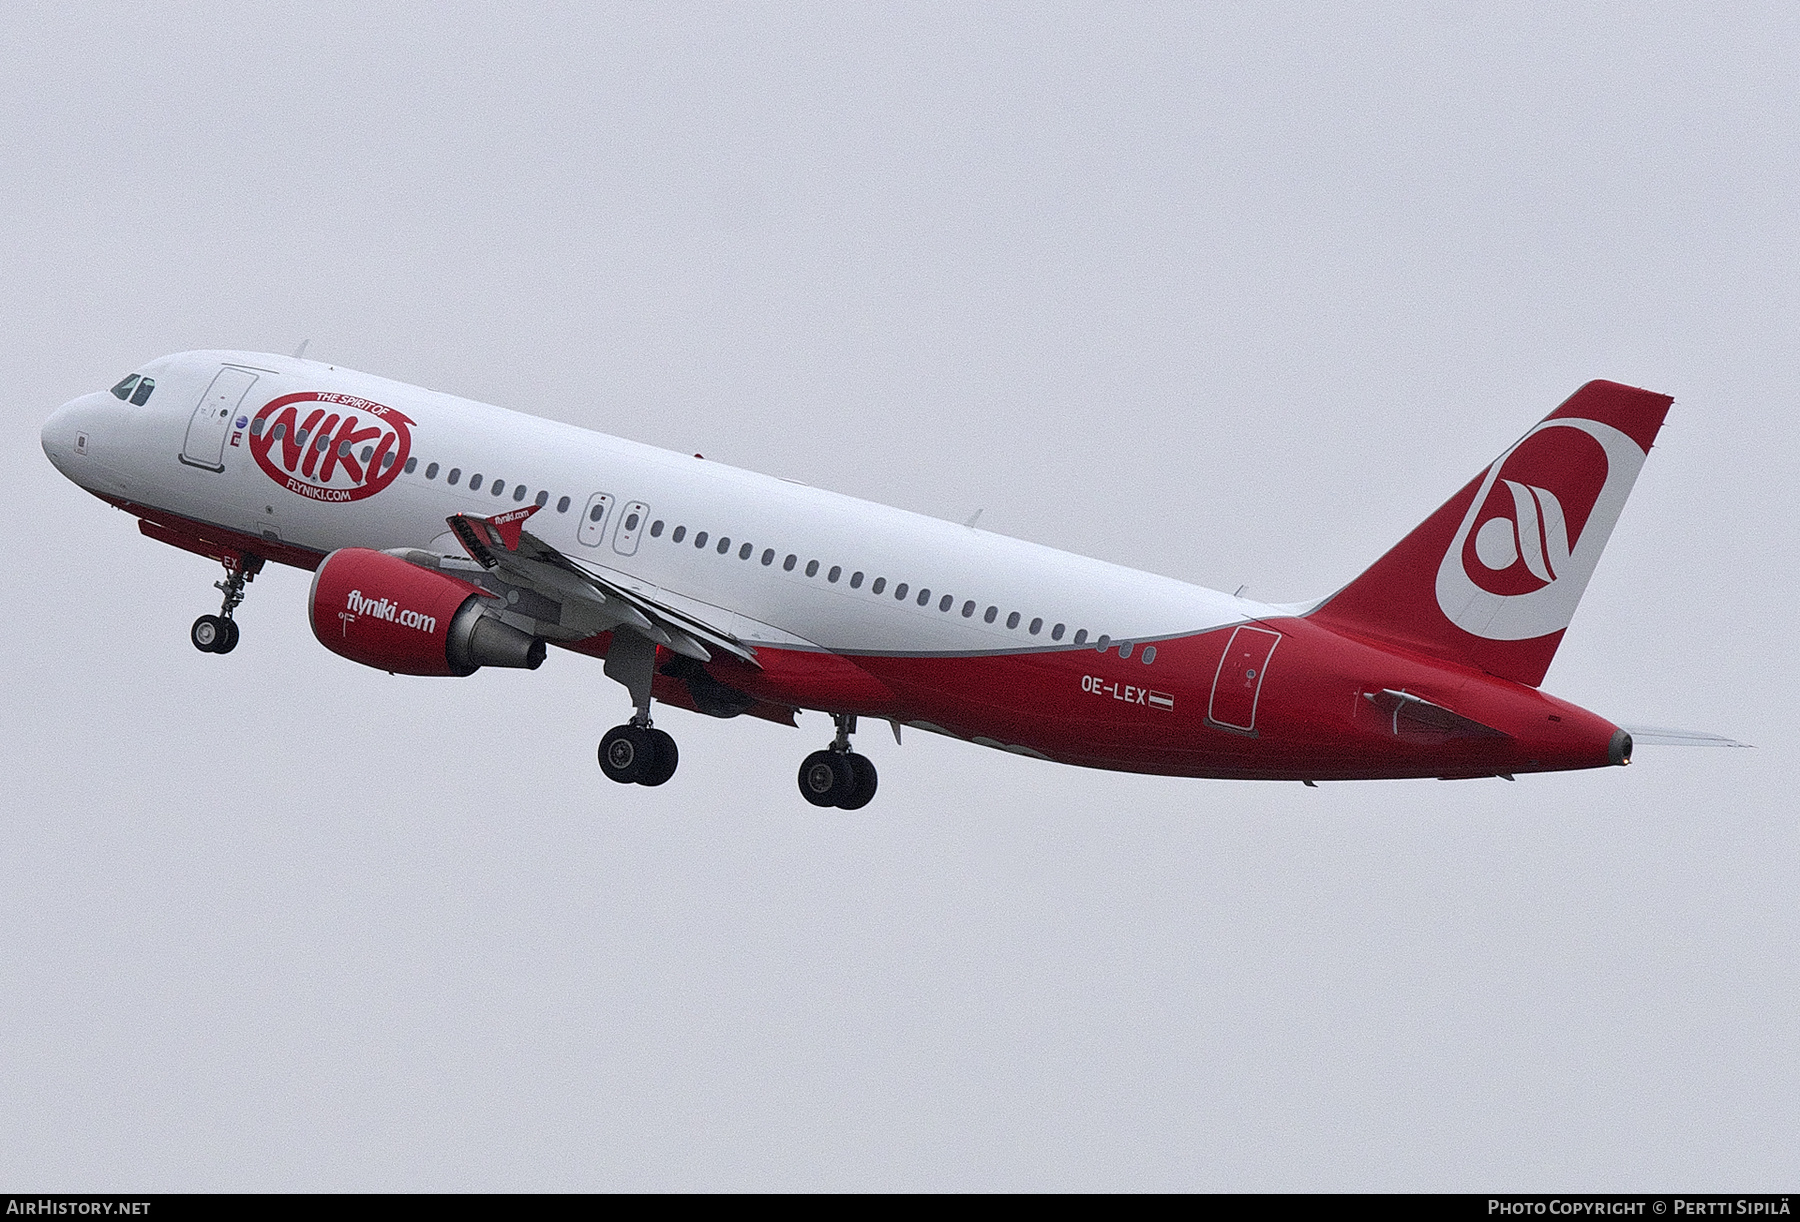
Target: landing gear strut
<point>219,633</point>
<point>838,776</point>
<point>636,753</point>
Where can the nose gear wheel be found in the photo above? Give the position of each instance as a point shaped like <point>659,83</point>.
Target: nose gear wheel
<point>219,633</point>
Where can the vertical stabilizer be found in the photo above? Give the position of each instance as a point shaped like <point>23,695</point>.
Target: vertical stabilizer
<point>1492,578</point>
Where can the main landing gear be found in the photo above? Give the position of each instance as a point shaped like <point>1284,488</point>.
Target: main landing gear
<point>219,633</point>
<point>838,776</point>
<point>636,753</point>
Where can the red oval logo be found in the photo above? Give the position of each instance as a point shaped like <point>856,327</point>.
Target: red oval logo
<point>330,447</point>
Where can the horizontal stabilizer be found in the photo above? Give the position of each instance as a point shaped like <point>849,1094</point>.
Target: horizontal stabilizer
<point>1660,736</point>
<point>1417,714</point>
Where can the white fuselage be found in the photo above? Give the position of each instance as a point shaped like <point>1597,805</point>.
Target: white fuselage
<point>131,454</point>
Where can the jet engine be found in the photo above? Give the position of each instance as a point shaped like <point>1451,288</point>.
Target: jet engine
<point>379,610</point>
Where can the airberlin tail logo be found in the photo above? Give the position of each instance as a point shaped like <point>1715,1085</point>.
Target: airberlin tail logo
<point>1535,530</point>
<point>330,447</point>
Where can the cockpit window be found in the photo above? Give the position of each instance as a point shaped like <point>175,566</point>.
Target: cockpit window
<point>142,395</point>
<point>123,389</point>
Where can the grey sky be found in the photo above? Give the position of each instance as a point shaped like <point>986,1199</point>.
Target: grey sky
<point>1236,294</point>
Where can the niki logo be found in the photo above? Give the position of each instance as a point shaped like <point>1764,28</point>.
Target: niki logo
<point>330,447</point>
<point>1534,532</point>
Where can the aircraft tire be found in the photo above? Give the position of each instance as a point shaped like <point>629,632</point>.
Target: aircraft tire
<point>229,641</point>
<point>862,768</point>
<point>826,778</point>
<point>662,764</point>
<point>625,753</point>
<point>207,633</point>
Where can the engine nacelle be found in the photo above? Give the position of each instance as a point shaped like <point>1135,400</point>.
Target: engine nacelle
<point>381,611</point>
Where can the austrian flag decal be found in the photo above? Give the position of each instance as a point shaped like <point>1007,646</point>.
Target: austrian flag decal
<point>330,447</point>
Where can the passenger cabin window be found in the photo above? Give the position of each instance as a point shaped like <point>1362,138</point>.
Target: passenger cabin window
<point>724,544</point>
<point>836,572</point>
<point>656,528</point>
<point>812,568</point>
<point>1012,621</point>
<point>123,390</point>
<point>924,597</point>
<point>562,506</point>
<point>900,592</point>
<point>543,498</point>
<point>1081,636</point>
<point>1149,654</point>
<point>412,464</point>
<point>455,474</point>
<point>1037,626</point>
<point>744,552</point>
<point>700,539</point>
<point>945,603</point>
<point>475,482</point>
<point>142,395</point>
<point>519,492</point>
<point>991,613</point>
<point>856,580</point>
<point>1056,633</point>
<point>768,557</point>
<point>787,566</point>
<point>499,486</point>
<point>431,471</point>
<point>969,608</point>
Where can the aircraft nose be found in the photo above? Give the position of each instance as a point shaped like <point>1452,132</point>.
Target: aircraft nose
<point>68,432</point>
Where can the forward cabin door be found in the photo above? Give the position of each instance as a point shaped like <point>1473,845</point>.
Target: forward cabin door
<point>204,445</point>
<point>1238,681</point>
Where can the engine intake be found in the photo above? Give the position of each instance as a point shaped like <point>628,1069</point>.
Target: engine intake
<point>379,610</point>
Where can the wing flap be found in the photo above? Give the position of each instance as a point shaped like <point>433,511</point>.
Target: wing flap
<point>501,543</point>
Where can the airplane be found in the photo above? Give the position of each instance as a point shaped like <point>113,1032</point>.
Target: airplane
<point>446,535</point>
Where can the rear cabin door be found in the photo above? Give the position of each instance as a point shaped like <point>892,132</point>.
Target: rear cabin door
<point>204,445</point>
<point>593,519</point>
<point>1238,681</point>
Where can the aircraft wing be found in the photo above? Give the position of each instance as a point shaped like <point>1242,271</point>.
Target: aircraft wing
<point>501,544</point>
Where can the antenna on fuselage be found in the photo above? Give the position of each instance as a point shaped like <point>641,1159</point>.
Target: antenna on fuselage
<point>300,352</point>
<point>975,517</point>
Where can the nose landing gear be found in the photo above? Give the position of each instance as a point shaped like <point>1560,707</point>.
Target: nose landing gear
<point>219,633</point>
<point>838,776</point>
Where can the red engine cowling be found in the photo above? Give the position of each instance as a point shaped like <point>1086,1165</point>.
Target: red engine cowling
<point>381,611</point>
